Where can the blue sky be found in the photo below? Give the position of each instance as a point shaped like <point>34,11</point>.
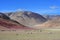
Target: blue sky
<point>39,6</point>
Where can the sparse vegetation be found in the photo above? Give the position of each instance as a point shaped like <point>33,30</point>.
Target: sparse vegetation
<point>33,35</point>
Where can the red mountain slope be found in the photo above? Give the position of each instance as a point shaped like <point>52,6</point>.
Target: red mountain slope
<point>8,24</point>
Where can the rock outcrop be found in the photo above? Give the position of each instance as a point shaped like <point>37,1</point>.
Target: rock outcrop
<point>2,15</point>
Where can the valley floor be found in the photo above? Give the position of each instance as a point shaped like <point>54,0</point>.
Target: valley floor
<point>43,34</point>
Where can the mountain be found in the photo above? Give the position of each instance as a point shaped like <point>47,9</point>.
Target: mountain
<point>9,24</point>
<point>20,20</point>
<point>53,21</point>
<point>6,23</point>
<point>27,18</point>
<point>49,24</point>
<point>52,17</point>
<point>2,15</point>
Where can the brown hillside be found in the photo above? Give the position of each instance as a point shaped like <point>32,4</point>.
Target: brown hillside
<point>8,24</point>
<point>50,24</point>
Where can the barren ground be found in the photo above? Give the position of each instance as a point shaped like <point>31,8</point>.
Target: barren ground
<point>30,34</point>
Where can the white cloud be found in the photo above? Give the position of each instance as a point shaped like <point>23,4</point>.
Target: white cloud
<point>21,9</point>
<point>53,7</point>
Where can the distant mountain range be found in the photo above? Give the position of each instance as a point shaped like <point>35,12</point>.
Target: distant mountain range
<point>50,17</point>
<point>28,20</point>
